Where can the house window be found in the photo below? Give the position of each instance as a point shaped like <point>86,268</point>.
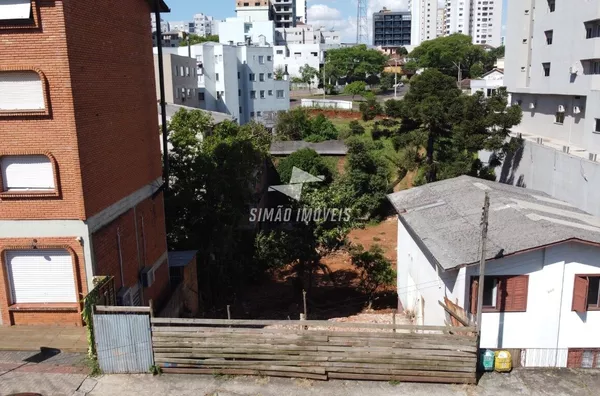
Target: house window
<point>239,92</point>
<point>27,173</point>
<point>280,94</point>
<point>279,52</point>
<point>269,75</point>
<point>261,59</point>
<point>41,276</point>
<point>200,96</point>
<point>270,93</point>
<point>586,293</point>
<point>252,77</point>
<point>501,293</point>
<point>559,117</point>
<point>262,94</point>
<point>261,77</point>
<point>216,76</point>
<point>597,128</point>
<point>546,67</point>
<point>21,91</point>
<point>269,58</point>
<point>16,13</point>
<point>252,94</point>
<point>552,5</point>
<point>187,71</point>
<point>252,114</point>
<point>259,113</point>
<point>549,36</point>
<point>239,75</point>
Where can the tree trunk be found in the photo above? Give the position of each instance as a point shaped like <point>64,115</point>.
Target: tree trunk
<point>431,174</point>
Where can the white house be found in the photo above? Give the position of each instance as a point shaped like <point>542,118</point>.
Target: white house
<point>488,83</point>
<point>541,289</point>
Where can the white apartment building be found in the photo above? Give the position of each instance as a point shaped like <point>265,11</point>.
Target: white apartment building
<point>234,31</point>
<point>441,22</point>
<point>164,25</point>
<point>181,80</point>
<point>182,26</point>
<point>424,20</point>
<point>239,81</point>
<point>552,70</point>
<point>480,19</point>
<point>203,25</point>
<point>301,11</point>
<point>284,13</point>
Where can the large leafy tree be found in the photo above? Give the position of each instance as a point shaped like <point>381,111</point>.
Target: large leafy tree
<point>354,63</point>
<point>375,270</point>
<point>307,160</point>
<point>308,74</point>
<point>447,53</point>
<point>355,88</point>
<point>296,124</point>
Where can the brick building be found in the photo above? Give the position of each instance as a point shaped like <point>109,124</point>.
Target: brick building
<point>80,157</point>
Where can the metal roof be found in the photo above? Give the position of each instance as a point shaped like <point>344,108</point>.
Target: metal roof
<point>181,258</point>
<point>328,147</point>
<point>444,219</point>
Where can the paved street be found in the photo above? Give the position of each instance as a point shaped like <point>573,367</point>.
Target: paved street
<point>521,382</point>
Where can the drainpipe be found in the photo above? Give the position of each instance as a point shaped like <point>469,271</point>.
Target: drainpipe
<point>163,105</point>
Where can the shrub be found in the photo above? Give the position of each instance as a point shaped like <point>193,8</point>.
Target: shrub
<point>356,128</point>
<point>370,109</point>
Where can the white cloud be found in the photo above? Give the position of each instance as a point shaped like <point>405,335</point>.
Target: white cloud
<point>346,27</point>
<point>321,12</point>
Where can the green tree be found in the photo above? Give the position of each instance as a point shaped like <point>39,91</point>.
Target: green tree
<point>308,74</point>
<point>354,63</point>
<point>355,88</point>
<point>375,270</point>
<point>370,109</point>
<point>476,70</point>
<point>356,129</point>
<point>321,129</point>
<point>402,51</point>
<point>386,82</point>
<point>393,108</point>
<point>446,53</point>
<point>293,124</point>
<point>278,73</point>
<point>196,39</point>
<point>306,159</point>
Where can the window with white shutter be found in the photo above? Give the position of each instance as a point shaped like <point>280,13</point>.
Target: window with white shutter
<point>27,173</point>
<point>41,276</point>
<point>11,10</point>
<point>21,91</point>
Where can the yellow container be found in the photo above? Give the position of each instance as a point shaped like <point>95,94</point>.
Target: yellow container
<point>503,362</point>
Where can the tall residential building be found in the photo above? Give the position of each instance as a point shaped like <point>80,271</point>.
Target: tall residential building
<point>80,165</point>
<point>253,10</point>
<point>284,13</point>
<point>169,39</point>
<point>203,25</point>
<point>301,11</point>
<point>182,26</point>
<point>480,19</point>
<point>552,70</point>
<point>391,29</point>
<point>424,20</point>
<point>164,25</point>
<point>441,22</point>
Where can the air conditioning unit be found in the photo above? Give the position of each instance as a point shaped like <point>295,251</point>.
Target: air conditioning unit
<point>593,157</point>
<point>532,105</point>
<point>561,108</point>
<point>566,149</point>
<point>147,277</point>
<point>576,110</point>
<point>125,297</point>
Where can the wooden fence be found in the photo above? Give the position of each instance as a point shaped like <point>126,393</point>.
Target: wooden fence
<point>316,349</point>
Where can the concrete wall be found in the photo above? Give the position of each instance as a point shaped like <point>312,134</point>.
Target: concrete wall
<point>549,323</point>
<point>330,104</point>
<point>563,176</point>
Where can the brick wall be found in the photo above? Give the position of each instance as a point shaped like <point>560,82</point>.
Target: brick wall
<point>45,49</point>
<point>112,71</point>
<point>106,253</point>
<point>36,313</point>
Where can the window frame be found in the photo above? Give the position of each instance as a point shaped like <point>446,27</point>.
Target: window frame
<point>588,307</point>
<point>500,294</point>
<point>562,118</point>
<point>45,93</point>
<point>31,194</point>
<point>31,23</point>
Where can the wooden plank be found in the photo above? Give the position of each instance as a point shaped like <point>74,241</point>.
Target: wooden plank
<point>398,364</point>
<point>375,377</point>
<point>455,316</point>
<point>388,371</point>
<point>312,323</point>
<point>243,372</point>
<point>257,336</point>
<point>115,309</point>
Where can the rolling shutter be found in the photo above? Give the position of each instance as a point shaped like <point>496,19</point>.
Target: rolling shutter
<point>21,90</point>
<point>27,173</point>
<point>15,9</point>
<point>580,294</point>
<point>41,276</point>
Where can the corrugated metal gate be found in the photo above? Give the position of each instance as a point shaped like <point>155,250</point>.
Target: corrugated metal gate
<point>123,341</point>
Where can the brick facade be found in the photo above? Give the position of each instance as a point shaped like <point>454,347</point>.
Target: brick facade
<point>101,130</point>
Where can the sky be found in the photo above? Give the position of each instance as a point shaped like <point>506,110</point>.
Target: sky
<point>337,14</point>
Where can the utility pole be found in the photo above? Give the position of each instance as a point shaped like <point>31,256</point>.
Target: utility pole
<point>324,84</point>
<point>396,80</point>
<point>484,230</point>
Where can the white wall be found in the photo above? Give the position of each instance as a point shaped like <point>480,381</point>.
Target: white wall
<point>419,284</point>
<point>548,324</point>
<point>236,30</point>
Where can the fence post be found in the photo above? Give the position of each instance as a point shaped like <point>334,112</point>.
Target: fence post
<point>394,319</point>
<point>151,305</point>
<point>304,299</point>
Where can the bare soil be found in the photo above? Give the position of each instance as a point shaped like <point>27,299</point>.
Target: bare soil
<point>333,295</point>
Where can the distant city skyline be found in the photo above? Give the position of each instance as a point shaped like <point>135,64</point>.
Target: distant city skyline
<point>336,14</point>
